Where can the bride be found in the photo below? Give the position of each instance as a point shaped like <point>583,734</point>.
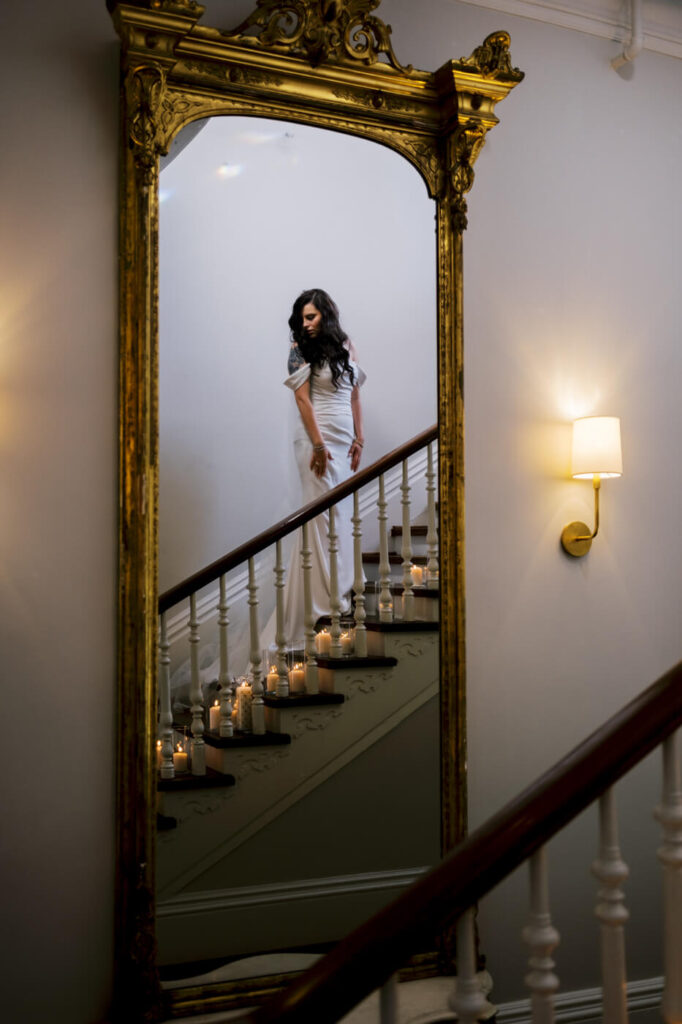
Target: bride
<point>326,380</point>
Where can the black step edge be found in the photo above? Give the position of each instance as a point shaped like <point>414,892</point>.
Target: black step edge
<point>394,559</point>
<point>351,661</point>
<point>211,780</point>
<point>247,739</point>
<point>302,700</point>
<point>418,626</point>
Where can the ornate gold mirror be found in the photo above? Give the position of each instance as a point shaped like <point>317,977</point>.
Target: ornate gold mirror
<point>326,64</point>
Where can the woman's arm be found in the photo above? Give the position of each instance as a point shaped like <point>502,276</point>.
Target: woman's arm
<point>355,450</point>
<point>318,462</point>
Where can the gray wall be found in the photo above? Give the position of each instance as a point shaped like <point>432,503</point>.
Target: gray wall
<point>572,272</point>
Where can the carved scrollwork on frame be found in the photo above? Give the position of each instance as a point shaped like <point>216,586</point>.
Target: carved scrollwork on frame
<point>322,31</point>
<point>492,58</point>
<point>466,145</point>
<point>145,89</point>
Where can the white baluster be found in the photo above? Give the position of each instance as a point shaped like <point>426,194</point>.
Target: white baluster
<point>359,582</point>
<point>257,706</point>
<point>165,713</point>
<point>669,813</point>
<point>468,1000</point>
<point>432,571</point>
<point>195,693</point>
<point>311,677</point>
<point>543,939</point>
<point>385,598</point>
<point>280,638</point>
<point>611,871</point>
<point>334,598</point>
<point>226,728</point>
<point>388,1001</point>
<point>406,550</point>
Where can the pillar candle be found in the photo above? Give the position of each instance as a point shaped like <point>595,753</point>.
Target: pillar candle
<point>180,759</point>
<point>244,697</point>
<point>159,755</point>
<point>346,643</point>
<point>272,679</point>
<point>297,679</point>
<point>417,575</point>
<point>323,642</point>
<point>214,717</point>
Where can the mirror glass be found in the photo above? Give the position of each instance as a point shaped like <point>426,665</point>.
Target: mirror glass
<point>306,844</point>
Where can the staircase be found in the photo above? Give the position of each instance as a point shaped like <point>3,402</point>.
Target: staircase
<point>216,827</point>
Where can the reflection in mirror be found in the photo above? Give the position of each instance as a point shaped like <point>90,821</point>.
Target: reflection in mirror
<point>311,838</point>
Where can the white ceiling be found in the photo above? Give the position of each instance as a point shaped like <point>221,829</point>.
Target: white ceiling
<point>608,19</point>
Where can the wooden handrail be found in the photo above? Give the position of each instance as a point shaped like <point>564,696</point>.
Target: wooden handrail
<point>365,960</point>
<point>294,521</point>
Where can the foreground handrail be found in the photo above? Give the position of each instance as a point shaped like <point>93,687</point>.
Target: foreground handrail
<point>364,960</point>
<point>294,521</point>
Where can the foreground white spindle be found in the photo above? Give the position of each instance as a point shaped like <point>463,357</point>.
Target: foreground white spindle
<point>311,674</point>
<point>257,706</point>
<point>542,939</point>
<point>226,727</point>
<point>360,647</point>
<point>388,1001</point>
<point>431,531</point>
<point>195,693</point>
<point>165,713</point>
<point>280,638</point>
<point>468,1000</point>
<point>669,813</point>
<point>334,597</point>
<point>385,598</point>
<point>406,550</point>
<point>611,871</point>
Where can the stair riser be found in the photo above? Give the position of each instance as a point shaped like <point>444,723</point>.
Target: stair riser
<point>425,608</point>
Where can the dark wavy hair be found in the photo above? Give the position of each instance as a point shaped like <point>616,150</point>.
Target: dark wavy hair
<point>328,346</point>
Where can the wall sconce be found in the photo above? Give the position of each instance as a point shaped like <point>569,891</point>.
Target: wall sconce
<point>596,454</point>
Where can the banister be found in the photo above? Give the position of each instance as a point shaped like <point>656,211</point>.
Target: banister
<point>292,522</point>
<point>365,959</point>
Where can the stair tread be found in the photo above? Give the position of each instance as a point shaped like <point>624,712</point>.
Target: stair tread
<point>374,587</point>
<point>211,780</point>
<point>298,700</point>
<point>246,739</point>
<point>415,531</point>
<point>394,559</point>
<point>351,661</point>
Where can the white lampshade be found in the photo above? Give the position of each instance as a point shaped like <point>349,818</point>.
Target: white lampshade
<point>596,447</point>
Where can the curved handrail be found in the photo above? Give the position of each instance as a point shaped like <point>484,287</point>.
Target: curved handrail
<point>292,522</point>
<point>364,960</point>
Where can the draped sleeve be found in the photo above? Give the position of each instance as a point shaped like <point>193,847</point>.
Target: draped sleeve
<point>360,375</point>
<point>298,377</point>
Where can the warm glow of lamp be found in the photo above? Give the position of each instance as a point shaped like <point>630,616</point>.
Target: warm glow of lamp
<point>596,454</point>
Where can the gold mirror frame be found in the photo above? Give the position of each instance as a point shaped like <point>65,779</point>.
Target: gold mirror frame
<point>315,62</point>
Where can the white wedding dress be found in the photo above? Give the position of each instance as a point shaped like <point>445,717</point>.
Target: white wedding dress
<point>335,419</point>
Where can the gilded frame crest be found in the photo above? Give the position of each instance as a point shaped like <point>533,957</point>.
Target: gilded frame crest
<point>320,62</point>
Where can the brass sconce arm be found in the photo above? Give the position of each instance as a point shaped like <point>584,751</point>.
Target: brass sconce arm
<point>596,453</point>
<point>576,538</point>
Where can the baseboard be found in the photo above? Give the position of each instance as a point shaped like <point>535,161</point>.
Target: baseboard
<point>644,999</point>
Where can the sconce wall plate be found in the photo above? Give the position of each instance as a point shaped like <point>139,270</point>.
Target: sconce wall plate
<point>576,539</point>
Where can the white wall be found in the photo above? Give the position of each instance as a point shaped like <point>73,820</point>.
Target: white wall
<point>572,271</point>
<point>58,376</point>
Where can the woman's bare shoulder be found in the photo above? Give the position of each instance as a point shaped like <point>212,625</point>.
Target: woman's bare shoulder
<point>352,351</point>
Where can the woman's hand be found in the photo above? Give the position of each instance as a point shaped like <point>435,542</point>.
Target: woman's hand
<point>355,453</point>
<point>318,462</point>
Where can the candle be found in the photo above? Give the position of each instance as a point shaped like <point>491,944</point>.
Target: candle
<point>180,759</point>
<point>323,642</point>
<point>346,643</point>
<point>214,717</point>
<point>244,697</point>
<point>159,755</point>
<point>297,678</point>
<point>417,575</point>
<point>272,679</point>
